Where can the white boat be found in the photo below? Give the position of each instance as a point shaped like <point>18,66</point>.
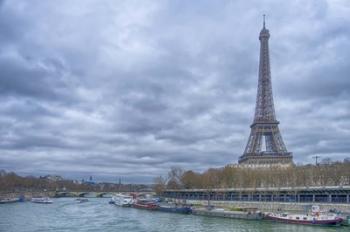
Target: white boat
<point>81,200</point>
<point>42,200</point>
<point>9,200</point>
<point>122,200</point>
<point>315,218</point>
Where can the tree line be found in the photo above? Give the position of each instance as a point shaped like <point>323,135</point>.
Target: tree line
<point>234,176</point>
<point>11,182</point>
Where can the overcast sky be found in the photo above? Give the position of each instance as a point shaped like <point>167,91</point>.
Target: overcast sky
<point>130,88</point>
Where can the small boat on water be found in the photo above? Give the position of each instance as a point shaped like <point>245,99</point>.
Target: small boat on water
<point>42,200</point>
<point>145,204</point>
<point>9,200</point>
<point>122,200</point>
<point>81,200</point>
<point>111,202</point>
<point>174,208</point>
<point>315,218</point>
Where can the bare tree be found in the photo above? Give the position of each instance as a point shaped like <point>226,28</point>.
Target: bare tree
<point>159,185</point>
<point>327,173</point>
<point>174,178</point>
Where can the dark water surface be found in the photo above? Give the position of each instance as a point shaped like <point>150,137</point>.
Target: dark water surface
<point>97,215</point>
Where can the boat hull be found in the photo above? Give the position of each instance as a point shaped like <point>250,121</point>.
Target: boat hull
<point>332,222</point>
<point>123,203</point>
<point>182,210</point>
<point>81,200</point>
<point>38,202</point>
<point>42,200</point>
<point>145,206</point>
<point>9,201</point>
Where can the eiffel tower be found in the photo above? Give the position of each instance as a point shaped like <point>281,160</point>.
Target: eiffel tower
<point>265,145</point>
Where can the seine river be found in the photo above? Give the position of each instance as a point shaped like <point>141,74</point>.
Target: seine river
<point>97,215</point>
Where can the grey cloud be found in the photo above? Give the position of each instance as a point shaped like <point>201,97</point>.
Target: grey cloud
<point>131,89</point>
<point>20,77</point>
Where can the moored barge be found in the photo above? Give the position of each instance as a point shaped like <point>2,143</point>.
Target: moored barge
<point>316,217</point>
<point>220,212</point>
<point>145,204</point>
<point>170,208</point>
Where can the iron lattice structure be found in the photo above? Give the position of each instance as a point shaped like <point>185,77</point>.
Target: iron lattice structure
<point>265,144</point>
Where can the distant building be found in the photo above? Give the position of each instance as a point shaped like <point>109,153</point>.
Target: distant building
<point>89,182</point>
<point>53,178</point>
<point>265,147</point>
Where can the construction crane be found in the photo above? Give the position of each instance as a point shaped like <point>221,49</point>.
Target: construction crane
<point>316,159</point>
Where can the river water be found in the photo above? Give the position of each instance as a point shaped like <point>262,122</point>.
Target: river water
<point>97,215</point>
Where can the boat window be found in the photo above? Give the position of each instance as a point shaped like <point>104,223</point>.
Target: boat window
<point>297,218</point>
<point>304,218</point>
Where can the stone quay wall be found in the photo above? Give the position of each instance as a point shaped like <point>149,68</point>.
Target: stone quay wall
<point>27,195</point>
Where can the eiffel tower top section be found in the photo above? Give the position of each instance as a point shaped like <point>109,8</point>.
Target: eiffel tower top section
<point>264,109</point>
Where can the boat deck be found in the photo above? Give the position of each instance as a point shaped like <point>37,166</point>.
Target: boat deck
<point>227,214</point>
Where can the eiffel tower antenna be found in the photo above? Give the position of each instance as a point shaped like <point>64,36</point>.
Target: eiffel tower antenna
<point>265,144</point>
<point>264,20</point>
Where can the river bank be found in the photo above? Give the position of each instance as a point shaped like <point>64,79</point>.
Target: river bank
<point>66,215</point>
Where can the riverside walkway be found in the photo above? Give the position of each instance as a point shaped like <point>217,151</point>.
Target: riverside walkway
<point>319,194</point>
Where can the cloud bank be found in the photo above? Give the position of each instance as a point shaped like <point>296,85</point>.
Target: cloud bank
<point>130,88</point>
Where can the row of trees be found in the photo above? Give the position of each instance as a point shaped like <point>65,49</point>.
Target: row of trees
<point>231,176</point>
<point>11,182</point>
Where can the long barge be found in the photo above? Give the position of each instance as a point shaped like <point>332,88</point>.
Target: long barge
<point>175,209</point>
<point>218,212</point>
<point>305,219</point>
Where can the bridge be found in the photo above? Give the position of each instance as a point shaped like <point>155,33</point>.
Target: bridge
<point>92,194</point>
<point>320,194</point>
